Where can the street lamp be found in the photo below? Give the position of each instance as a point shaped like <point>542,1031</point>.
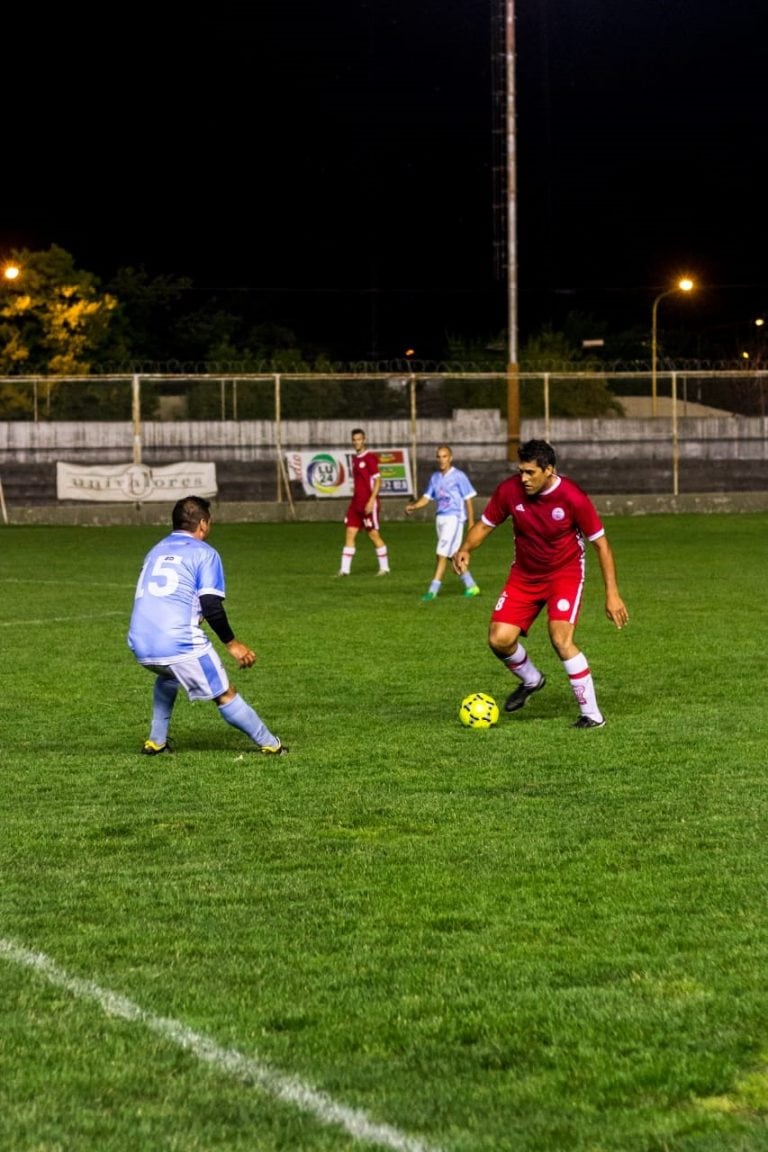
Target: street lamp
<point>684,285</point>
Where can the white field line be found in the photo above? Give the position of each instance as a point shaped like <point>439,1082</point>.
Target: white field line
<point>68,583</point>
<point>59,619</point>
<point>287,1089</point>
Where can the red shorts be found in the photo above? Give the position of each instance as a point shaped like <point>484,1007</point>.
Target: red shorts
<point>523,597</point>
<point>357,517</point>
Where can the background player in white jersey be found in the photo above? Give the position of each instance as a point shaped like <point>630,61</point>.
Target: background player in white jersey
<point>181,583</point>
<point>453,494</point>
<point>551,518</point>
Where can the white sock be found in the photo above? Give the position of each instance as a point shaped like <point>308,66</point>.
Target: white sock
<point>582,686</point>
<point>521,665</point>
<point>346,560</point>
<point>383,558</point>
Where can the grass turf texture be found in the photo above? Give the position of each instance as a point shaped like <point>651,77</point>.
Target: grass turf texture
<point>525,938</point>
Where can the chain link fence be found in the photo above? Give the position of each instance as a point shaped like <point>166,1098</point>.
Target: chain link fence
<point>617,432</point>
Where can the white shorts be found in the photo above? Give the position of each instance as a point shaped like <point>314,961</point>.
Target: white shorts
<point>450,530</point>
<point>202,677</point>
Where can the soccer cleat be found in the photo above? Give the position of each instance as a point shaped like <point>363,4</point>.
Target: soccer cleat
<point>337,574</point>
<point>278,749</point>
<point>152,749</point>
<point>429,596</point>
<point>519,697</point>
<point>473,591</point>
<point>383,572</point>
<point>588,722</point>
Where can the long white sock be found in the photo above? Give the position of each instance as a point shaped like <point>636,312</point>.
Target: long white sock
<point>383,558</point>
<point>521,665</point>
<point>582,686</point>
<point>346,560</point>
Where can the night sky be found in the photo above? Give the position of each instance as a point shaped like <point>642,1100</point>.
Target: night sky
<point>335,161</point>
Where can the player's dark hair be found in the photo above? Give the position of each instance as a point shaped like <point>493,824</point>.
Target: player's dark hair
<point>537,452</point>
<point>357,432</point>
<point>189,511</point>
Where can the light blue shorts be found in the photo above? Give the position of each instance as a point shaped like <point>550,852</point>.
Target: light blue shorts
<point>202,677</point>
<point>450,530</point>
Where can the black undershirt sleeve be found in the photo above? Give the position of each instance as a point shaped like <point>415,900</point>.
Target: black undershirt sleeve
<point>215,614</point>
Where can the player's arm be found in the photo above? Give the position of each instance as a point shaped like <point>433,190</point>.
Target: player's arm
<point>470,503</point>
<point>420,503</point>
<point>215,615</point>
<point>474,538</point>
<point>615,608</point>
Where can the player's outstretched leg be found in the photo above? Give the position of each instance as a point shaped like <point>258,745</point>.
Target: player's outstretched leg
<point>240,715</point>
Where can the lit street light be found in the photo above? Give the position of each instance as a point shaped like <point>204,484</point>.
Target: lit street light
<point>684,285</point>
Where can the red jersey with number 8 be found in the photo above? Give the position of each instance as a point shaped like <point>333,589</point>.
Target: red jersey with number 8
<point>550,528</point>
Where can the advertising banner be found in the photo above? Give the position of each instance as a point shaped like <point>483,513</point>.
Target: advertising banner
<point>137,483</point>
<point>328,472</point>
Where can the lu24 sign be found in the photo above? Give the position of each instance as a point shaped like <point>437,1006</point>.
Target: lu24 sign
<point>328,472</point>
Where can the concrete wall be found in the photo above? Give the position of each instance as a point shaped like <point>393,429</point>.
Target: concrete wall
<point>629,466</point>
<point>475,433</point>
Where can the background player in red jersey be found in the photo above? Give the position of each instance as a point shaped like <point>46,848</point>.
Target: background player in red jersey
<point>364,507</point>
<point>552,518</point>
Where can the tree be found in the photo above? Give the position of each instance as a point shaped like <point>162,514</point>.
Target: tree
<point>54,318</point>
<point>144,328</point>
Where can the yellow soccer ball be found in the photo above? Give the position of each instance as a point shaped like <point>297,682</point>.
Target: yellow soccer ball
<point>479,710</point>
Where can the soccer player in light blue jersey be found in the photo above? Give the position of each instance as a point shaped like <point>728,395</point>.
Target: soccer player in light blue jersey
<point>181,583</point>
<point>452,492</point>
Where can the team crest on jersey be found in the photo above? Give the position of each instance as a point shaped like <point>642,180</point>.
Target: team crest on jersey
<point>558,514</point>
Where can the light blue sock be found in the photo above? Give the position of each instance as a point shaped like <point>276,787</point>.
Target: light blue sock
<point>241,715</point>
<point>163,699</point>
<point>468,580</point>
<point>435,586</point>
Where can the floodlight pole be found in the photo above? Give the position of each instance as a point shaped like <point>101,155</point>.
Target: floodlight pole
<point>513,371</point>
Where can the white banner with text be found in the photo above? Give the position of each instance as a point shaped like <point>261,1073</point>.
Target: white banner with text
<point>139,483</point>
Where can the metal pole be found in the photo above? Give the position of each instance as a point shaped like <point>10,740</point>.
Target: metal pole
<point>414,465</point>
<point>278,439</point>
<point>675,444</point>
<point>513,377</point>
<point>546,405</point>
<point>283,483</point>
<point>654,344</point>
<point>136,416</point>
<point>683,285</point>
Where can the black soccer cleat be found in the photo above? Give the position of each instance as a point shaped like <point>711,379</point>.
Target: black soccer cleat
<point>588,722</point>
<point>519,697</point>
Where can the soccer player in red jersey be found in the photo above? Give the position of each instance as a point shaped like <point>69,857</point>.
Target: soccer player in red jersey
<point>365,506</point>
<point>552,518</point>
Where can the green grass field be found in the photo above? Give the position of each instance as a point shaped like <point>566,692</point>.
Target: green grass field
<point>405,934</point>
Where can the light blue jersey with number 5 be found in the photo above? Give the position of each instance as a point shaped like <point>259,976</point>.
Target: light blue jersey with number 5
<point>165,624</point>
